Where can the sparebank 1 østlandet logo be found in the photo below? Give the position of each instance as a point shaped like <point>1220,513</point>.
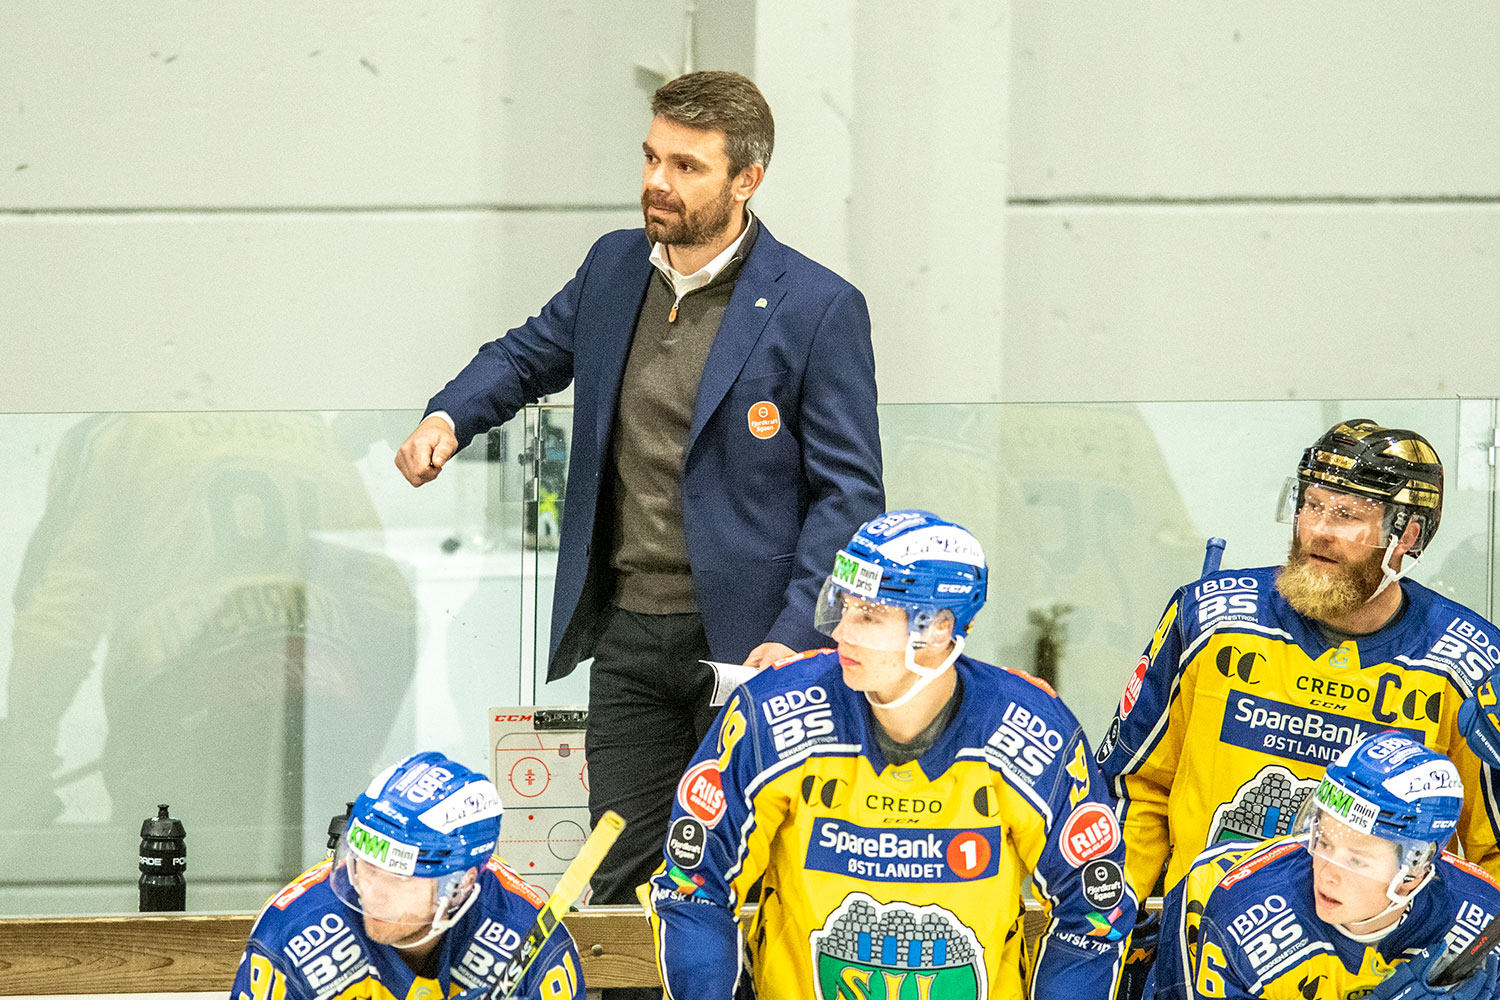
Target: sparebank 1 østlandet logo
<point>1295,733</point>
<point>921,854</point>
<point>868,950</point>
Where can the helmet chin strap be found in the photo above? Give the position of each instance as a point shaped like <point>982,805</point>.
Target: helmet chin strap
<point>925,675</point>
<point>1397,901</point>
<point>441,925</point>
<point>1392,575</point>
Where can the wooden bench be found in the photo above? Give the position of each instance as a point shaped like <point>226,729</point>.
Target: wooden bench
<point>182,953</point>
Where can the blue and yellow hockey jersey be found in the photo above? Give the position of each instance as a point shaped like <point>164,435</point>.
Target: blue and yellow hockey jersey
<point>1243,923</point>
<point>307,945</point>
<point>1239,703</point>
<point>882,881</point>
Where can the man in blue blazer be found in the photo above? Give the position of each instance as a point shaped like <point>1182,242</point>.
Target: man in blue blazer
<point>724,446</point>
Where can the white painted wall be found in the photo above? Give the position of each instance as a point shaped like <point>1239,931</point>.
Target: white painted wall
<point>1174,199</point>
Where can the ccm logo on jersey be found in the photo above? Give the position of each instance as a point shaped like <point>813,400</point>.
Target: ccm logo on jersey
<point>701,793</point>
<point>1090,831</point>
<point>1267,931</point>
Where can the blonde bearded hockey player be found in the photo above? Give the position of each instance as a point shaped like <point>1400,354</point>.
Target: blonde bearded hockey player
<point>1359,900</point>
<point>894,795</point>
<point>1255,680</point>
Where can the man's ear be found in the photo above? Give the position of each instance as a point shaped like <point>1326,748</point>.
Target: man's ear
<point>940,632</point>
<point>746,182</point>
<point>1408,539</point>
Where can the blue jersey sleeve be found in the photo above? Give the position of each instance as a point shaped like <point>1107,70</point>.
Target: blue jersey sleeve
<point>715,849</point>
<point>262,977</point>
<point>1139,754</point>
<point>1071,841</point>
<point>1219,969</point>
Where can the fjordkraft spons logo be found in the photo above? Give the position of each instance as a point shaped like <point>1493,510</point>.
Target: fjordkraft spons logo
<point>896,951</point>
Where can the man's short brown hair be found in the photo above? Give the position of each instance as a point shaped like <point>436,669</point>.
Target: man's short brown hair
<point>726,102</point>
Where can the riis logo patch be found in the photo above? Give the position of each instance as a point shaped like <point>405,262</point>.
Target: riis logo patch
<point>1090,831</point>
<point>701,793</point>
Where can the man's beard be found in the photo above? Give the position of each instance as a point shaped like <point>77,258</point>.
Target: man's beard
<point>1327,593</point>
<point>690,229</point>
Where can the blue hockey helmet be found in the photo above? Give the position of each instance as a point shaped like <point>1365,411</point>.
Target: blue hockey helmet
<point>912,560</point>
<point>1390,787</point>
<point>415,837</point>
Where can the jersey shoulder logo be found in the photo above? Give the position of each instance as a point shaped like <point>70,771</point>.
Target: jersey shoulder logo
<point>896,950</point>
<point>1226,599</point>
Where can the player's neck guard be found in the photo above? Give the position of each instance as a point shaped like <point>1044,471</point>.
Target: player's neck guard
<point>925,675</point>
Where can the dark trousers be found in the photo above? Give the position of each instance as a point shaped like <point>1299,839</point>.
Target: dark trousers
<point>648,711</point>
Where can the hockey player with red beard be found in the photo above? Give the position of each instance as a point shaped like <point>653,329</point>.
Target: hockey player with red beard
<point>1255,680</point>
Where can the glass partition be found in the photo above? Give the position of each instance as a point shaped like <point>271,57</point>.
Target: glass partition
<point>245,615</point>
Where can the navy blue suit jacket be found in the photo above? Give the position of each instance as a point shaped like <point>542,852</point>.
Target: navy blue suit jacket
<point>763,516</point>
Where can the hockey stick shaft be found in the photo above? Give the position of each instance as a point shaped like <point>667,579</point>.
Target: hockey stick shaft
<point>574,880</point>
<point>1213,552</point>
<point>1466,960</point>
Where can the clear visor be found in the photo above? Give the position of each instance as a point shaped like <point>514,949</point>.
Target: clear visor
<point>406,902</point>
<point>1388,862</point>
<point>1357,520</point>
<point>860,621</point>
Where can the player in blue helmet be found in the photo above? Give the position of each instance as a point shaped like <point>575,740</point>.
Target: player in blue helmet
<point>907,582</point>
<point>892,796</point>
<point>412,903</point>
<point>1359,900</point>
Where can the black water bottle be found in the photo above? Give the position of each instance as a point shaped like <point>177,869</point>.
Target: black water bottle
<point>163,864</point>
<point>337,826</point>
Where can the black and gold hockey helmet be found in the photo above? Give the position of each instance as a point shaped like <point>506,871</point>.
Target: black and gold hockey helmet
<point>1397,467</point>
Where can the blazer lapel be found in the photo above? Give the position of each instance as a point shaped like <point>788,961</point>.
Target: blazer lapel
<point>614,326</point>
<point>756,294</point>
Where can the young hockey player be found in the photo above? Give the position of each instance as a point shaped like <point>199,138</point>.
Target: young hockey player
<point>413,905</point>
<point>1359,900</point>
<point>1255,679</point>
<point>893,795</point>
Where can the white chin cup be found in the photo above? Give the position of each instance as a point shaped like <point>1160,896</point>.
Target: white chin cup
<point>925,675</point>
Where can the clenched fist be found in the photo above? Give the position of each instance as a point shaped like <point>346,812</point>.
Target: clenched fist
<point>421,456</point>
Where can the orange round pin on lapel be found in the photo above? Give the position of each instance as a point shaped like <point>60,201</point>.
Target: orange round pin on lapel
<point>765,419</point>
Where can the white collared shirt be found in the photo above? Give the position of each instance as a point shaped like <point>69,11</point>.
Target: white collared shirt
<point>684,283</point>
<point>681,283</point>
